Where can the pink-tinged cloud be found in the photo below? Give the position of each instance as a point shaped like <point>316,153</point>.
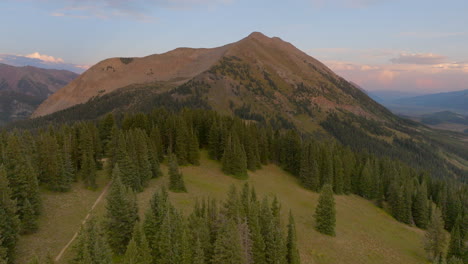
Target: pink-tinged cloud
<point>45,58</point>
<point>405,77</point>
<point>419,58</point>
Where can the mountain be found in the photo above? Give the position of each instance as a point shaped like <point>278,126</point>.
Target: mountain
<point>261,79</point>
<point>390,95</point>
<point>258,71</point>
<point>22,89</point>
<point>424,104</point>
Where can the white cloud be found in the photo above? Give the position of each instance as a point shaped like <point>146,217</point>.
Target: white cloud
<point>45,58</point>
<point>419,58</point>
<point>41,61</point>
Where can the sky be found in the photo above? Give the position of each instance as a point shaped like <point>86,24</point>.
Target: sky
<point>405,45</point>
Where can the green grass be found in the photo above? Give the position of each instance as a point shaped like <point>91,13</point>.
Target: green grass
<point>61,218</point>
<point>365,233</point>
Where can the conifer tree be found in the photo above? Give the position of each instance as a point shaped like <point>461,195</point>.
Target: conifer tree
<point>9,222</point>
<point>309,173</point>
<point>435,239</point>
<point>121,214</point>
<point>234,161</point>
<point>132,253</point>
<point>291,244</point>
<point>155,137</point>
<point>29,223</point>
<point>420,208</point>
<point>338,179</point>
<point>325,215</point>
<point>88,162</point>
<point>91,246</point>
<point>193,155</point>
<point>176,180</point>
<point>258,244</point>
<point>456,245</point>
<point>227,247</point>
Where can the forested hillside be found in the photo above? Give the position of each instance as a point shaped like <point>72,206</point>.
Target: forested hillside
<point>134,145</point>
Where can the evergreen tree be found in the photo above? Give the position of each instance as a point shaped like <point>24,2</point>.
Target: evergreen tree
<point>29,223</point>
<point>456,245</point>
<point>420,208</point>
<point>132,253</point>
<point>325,215</point>
<point>338,180</point>
<point>234,161</point>
<point>193,155</point>
<point>121,214</point>
<point>88,162</point>
<point>9,222</point>
<point>227,247</point>
<point>176,179</point>
<point>291,244</point>
<point>435,239</point>
<point>91,246</point>
<point>309,173</point>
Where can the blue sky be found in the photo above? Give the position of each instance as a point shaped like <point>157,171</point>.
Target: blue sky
<point>379,44</point>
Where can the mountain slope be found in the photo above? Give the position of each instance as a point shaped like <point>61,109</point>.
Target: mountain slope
<point>22,89</point>
<point>255,66</point>
<point>261,79</point>
<point>375,238</point>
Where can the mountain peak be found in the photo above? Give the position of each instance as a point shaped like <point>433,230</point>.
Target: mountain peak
<point>257,35</point>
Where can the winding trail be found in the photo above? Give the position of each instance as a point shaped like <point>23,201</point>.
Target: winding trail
<point>98,200</point>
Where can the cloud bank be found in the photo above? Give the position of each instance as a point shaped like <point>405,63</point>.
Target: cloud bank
<point>41,61</point>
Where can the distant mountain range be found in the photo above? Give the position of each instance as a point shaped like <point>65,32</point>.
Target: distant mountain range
<point>417,105</point>
<point>20,61</point>
<point>22,89</point>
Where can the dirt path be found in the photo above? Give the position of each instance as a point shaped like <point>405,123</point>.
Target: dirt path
<point>98,200</point>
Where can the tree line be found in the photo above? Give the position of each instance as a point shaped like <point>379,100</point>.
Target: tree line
<point>136,144</point>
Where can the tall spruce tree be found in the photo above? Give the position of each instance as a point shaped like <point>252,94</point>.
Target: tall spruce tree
<point>9,222</point>
<point>325,215</point>
<point>457,245</point>
<point>292,256</point>
<point>234,161</point>
<point>435,239</point>
<point>91,246</point>
<point>228,247</point>
<point>176,179</point>
<point>420,207</point>
<point>121,214</point>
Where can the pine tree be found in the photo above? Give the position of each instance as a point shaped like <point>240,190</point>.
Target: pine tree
<point>198,256</point>
<point>227,247</point>
<point>121,214</point>
<point>176,180</point>
<point>309,173</point>
<point>420,208</point>
<point>193,155</point>
<point>91,246</point>
<point>9,222</point>
<point>234,161</point>
<point>326,167</point>
<point>325,215</point>
<point>258,244</point>
<point>29,223</point>
<point>456,245</point>
<point>88,162</point>
<point>132,253</point>
<point>291,244</point>
<point>338,180</point>
<point>435,238</point>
